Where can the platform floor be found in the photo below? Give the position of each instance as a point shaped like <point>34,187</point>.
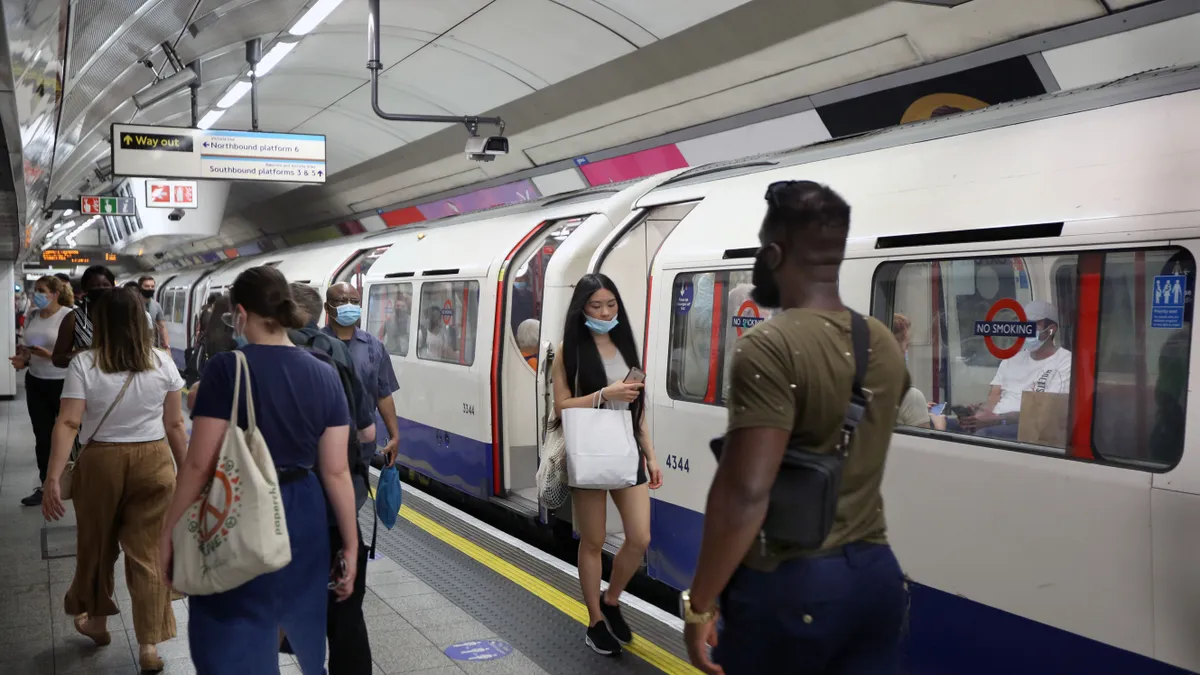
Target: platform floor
<point>426,598</point>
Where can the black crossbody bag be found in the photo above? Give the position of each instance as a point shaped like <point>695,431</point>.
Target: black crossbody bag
<point>805,494</point>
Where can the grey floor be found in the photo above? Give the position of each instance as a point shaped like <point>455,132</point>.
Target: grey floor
<point>410,624</point>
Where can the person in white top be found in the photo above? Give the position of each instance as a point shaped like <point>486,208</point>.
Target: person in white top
<point>123,398</point>
<point>52,301</point>
<point>1041,366</point>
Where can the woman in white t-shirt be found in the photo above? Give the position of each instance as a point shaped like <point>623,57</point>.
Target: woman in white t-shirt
<point>122,396</point>
<point>52,301</point>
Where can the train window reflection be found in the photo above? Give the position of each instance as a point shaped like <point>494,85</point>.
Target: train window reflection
<point>389,313</point>
<point>446,325</point>
<point>528,284</point>
<point>356,269</point>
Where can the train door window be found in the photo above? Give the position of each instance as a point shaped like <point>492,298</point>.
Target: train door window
<point>356,269</point>
<point>1018,348</point>
<point>528,282</point>
<point>179,305</point>
<point>389,312</point>
<point>710,310</point>
<point>447,323</point>
<point>168,305</point>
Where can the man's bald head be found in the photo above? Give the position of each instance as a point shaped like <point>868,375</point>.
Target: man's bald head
<point>339,293</point>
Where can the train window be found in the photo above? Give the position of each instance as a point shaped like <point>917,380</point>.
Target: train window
<point>354,271</point>
<point>179,305</point>
<point>529,279</point>
<point>446,326</point>
<point>710,310</point>
<point>1018,347</point>
<point>389,308</point>
<point>168,306</point>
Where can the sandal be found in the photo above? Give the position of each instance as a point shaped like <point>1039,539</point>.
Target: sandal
<point>101,638</point>
<point>149,660</point>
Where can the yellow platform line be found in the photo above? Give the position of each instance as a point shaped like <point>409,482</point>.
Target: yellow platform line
<point>641,647</point>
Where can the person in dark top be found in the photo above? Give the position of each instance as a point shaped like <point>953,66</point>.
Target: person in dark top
<point>302,414</point>
<point>75,332</point>
<point>838,609</point>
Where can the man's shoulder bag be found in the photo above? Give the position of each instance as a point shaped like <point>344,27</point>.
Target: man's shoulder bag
<point>805,494</point>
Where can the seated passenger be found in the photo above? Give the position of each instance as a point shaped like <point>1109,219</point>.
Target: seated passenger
<point>527,340</point>
<point>439,344</point>
<point>1041,366</point>
<point>914,411</point>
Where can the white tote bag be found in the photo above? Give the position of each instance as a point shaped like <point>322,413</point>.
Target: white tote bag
<point>602,453</point>
<point>236,530</point>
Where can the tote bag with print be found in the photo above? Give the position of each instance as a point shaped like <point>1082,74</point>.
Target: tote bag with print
<point>602,453</point>
<point>236,530</point>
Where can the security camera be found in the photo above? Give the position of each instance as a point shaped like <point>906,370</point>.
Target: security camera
<point>486,148</point>
<point>175,215</point>
<point>164,88</point>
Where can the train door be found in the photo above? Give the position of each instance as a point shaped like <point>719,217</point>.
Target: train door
<point>525,288</point>
<point>627,261</point>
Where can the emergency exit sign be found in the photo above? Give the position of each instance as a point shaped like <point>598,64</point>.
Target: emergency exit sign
<point>107,206</point>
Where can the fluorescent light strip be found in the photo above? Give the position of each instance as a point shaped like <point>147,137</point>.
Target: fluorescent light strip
<point>234,95</point>
<point>273,57</point>
<point>210,118</point>
<point>314,16</point>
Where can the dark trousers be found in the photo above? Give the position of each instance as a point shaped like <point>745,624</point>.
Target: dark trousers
<point>349,646</point>
<point>843,614</point>
<point>41,397</point>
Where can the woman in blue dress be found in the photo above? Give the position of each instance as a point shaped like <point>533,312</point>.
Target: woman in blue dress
<point>302,413</point>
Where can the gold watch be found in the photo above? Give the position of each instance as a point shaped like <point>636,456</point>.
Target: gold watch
<point>692,616</point>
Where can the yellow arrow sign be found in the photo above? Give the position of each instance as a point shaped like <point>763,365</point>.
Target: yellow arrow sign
<point>128,138</point>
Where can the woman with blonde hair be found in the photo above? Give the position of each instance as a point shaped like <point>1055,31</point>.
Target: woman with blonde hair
<point>122,397</point>
<point>914,411</point>
<point>52,302</point>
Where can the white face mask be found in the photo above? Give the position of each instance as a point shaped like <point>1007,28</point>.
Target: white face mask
<point>1045,336</point>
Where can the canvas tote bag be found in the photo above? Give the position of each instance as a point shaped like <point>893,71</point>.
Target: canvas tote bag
<point>602,453</point>
<point>236,530</point>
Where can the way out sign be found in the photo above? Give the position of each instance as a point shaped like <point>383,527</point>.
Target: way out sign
<point>479,650</point>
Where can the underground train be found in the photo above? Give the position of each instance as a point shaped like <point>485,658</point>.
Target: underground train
<point>1063,544</point>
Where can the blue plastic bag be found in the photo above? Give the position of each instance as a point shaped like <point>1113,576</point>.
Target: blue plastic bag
<point>388,496</point>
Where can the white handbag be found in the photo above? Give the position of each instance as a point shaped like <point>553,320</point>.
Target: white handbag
<point>602,453</point>
<point>236,530</point>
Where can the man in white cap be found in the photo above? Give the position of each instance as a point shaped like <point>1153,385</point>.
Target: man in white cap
<point>1041,366</point>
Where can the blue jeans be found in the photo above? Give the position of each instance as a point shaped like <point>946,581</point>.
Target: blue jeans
<point>843,614</point>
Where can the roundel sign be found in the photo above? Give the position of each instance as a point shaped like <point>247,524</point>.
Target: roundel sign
<point>448,313</point>
<point>748,315</point>
<point>990,329</point>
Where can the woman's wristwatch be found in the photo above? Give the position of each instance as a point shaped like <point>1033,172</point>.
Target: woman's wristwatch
<point>692,616</point>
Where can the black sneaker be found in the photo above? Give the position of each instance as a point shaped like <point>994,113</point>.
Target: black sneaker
<point>34,499</point>
<point>601,641</point>
<point>616,622</point>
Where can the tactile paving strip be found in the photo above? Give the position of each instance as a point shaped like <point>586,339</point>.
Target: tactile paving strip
<point>537,629</point>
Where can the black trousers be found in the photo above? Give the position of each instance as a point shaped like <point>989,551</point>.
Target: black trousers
<point>41,397</point>
<point>349,646</point>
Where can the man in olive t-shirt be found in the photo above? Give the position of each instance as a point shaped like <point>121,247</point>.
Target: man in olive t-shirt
<point>838,609</point>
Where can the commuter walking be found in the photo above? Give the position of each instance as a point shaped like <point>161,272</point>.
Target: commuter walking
<point>158,318</point>
<point>122,396</point>
<point>52,301</point>
<point>591,369</point>
<point>837,606</point>
<point>75,331</point>
<point>301,412</point>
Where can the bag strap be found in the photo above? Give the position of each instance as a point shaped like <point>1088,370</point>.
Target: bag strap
<point>112,405</point>
<point>375,525</point>
<point>860,398</point>
<point>242,365</point>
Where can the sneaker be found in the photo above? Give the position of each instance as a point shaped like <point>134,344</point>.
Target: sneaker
<point>616,623</point>
<point>34,499</point>
<point>601,641</point>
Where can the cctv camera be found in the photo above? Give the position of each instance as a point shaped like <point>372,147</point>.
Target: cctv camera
<point>486,148</point>
<point>175,215</point>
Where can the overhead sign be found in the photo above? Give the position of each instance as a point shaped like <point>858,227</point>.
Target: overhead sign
<point>171,194</point>
<point>1170,299</point>
<point>73,256</point>
<point>173,152</point>
<point>107,206</point>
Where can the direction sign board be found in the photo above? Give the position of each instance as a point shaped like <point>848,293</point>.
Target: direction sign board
<point>176,152</point>
<point>107,206</point>
<point>171,194</point>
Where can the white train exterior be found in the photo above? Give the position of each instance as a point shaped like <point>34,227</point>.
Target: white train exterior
<point>1071,555</point>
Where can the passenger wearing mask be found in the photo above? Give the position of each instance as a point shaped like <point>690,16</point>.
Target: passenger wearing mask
<point>301,412</point>
<point>528,333</point>
<point>158,318</point>
<point>121,397</point>
<point>371,360</point>
<point>217,337</point>
<point>594,359</point>
<point>841,608</point>
<point>75,331</point>
<point>52,302</point>
<point>349,644</point>
<point>1041,366</point>
<point>914,410</point>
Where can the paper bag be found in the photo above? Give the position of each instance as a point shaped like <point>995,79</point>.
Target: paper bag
<point>1044,418</point>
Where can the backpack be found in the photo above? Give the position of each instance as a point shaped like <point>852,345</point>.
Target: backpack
<point>322,346</point>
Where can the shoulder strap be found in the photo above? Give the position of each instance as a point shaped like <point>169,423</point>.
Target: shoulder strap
<point>112,405</point>
<point>860,398</point>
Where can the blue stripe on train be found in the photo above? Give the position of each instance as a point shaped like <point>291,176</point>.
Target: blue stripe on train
<point>456,461</point>
<point>950,635</point>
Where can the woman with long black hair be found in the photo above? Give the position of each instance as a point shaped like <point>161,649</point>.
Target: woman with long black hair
<point>593,361</point>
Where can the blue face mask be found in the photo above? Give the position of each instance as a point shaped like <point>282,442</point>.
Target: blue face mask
<point>598,326</point>
<point>240,341</point>
<point>348,315</point>
<point>41,300</point>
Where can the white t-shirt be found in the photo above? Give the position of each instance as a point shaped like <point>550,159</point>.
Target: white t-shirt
<point>1022,373</point>
<point>41,332</point>
<point>138,417</point>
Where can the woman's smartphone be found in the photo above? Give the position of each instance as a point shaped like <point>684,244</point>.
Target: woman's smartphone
<point>937,409</point>
<point>635,375</point>
<point>338,572</point>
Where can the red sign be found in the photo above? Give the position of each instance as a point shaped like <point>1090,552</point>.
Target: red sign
<point>1015,308</point>
<point>448,313</point>
<point>171,194</point>
<point>185,194</point>
<point>160,193</point>
<point>747,316</point>
<point>89,205</point>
